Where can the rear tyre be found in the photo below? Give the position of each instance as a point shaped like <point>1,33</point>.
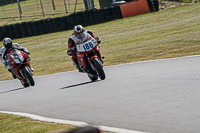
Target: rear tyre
<point>29,76</point>
<point>99,68</point>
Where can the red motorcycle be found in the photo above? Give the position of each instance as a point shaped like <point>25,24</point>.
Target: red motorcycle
<point>20,61</point>
<point>89,57</point>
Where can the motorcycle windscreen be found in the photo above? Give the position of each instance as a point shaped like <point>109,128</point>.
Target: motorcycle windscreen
<point>87,46</point>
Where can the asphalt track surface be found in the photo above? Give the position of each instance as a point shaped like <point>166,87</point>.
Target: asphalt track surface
<point>161,96</point>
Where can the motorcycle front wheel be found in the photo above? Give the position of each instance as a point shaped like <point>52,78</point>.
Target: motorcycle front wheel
<point>92,77</point>
<point>28,76</point>
<point>99,68</point>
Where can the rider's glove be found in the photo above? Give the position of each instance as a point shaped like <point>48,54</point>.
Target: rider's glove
<point>97,39</point>
<point>26,52</point>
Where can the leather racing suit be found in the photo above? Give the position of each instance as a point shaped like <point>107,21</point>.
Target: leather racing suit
<point>72,47</point>
<point>4,56</point>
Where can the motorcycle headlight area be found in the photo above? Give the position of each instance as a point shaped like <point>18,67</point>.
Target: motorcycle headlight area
<point>17,58</point>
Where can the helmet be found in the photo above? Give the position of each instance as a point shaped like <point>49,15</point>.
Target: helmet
<point>7,42</point>
<point>78,29</point>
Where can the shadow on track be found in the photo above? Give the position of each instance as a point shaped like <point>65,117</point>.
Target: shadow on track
<point>12,90</point>
<point>79,84</point>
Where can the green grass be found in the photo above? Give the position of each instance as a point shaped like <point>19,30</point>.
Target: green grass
<point>18,124</point>
<point>31,10</point>
<point>166,34</point>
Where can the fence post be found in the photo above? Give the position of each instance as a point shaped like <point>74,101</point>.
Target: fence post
<point>42,8</point>
<point>75,7</point>
<point>20,11</point>
<point>54,8</point>
<point>65,7</point>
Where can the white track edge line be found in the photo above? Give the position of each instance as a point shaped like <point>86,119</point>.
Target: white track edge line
<point>74,123</point>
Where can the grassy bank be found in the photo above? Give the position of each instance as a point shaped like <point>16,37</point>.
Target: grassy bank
<point>18,124</point>
<point>170,33</point>
<point>31,10</point>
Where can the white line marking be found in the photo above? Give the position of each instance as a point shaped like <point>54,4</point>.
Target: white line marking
<point>74,123</point>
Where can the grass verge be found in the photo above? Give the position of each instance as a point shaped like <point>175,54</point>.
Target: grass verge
<point>31,10</point>
<point>18,124</point>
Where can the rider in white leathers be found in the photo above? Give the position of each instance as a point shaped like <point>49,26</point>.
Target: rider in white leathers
<point>4,54</point>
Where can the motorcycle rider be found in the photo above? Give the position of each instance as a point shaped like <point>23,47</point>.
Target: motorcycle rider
<point>74,38</point>
<point>4,55</point>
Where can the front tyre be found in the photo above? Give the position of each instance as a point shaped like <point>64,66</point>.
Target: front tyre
<point>92,77</point>
<point>99,68</point>
<point>24,84</point>
<point>28,76</point>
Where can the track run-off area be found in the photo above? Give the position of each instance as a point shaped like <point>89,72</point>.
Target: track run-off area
<point>149,96</point>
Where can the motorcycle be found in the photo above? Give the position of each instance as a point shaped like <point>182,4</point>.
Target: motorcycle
<point>19,60</point>
<point>89,57</point>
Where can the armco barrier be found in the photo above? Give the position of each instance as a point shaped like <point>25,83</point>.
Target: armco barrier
<point>116,11</point>
<point>84,18</point>
<point>156,5</point>
<point>1,33</point>
<point>79,17</point>
<point>23,29</point>
<point>108,13</point>
<point>56,24</point>
<point>35,28</point>
<point>96,16</point>
<point>102,15</point>
<point>29,29</point>
<point>91,17</point>
<point>41,27</point>
<point>17,30</point>
<point>46,25</point>
<point>63,23</point>
<point>11,31</point>
<point>51,25</point>
<point>5,31</point>
<point>150,5</point>
<point>71,21</point>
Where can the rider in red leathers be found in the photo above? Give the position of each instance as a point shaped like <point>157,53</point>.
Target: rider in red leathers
<point>78,29</point>
<point>4,56</point>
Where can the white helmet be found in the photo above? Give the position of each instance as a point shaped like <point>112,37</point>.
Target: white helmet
<point>7,42</point>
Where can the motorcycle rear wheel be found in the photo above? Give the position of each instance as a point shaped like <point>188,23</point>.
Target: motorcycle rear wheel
<point>99,68</point>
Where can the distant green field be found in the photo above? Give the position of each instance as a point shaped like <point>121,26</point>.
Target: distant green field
<point>165,34</point>
<point>31,10</point>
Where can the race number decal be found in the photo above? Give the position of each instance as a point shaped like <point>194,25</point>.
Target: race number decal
<point>87,46</point>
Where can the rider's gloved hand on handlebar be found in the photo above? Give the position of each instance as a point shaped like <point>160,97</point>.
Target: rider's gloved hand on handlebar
<point>26,52</point>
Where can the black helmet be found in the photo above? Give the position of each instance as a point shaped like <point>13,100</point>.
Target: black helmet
<point>7,42</point>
